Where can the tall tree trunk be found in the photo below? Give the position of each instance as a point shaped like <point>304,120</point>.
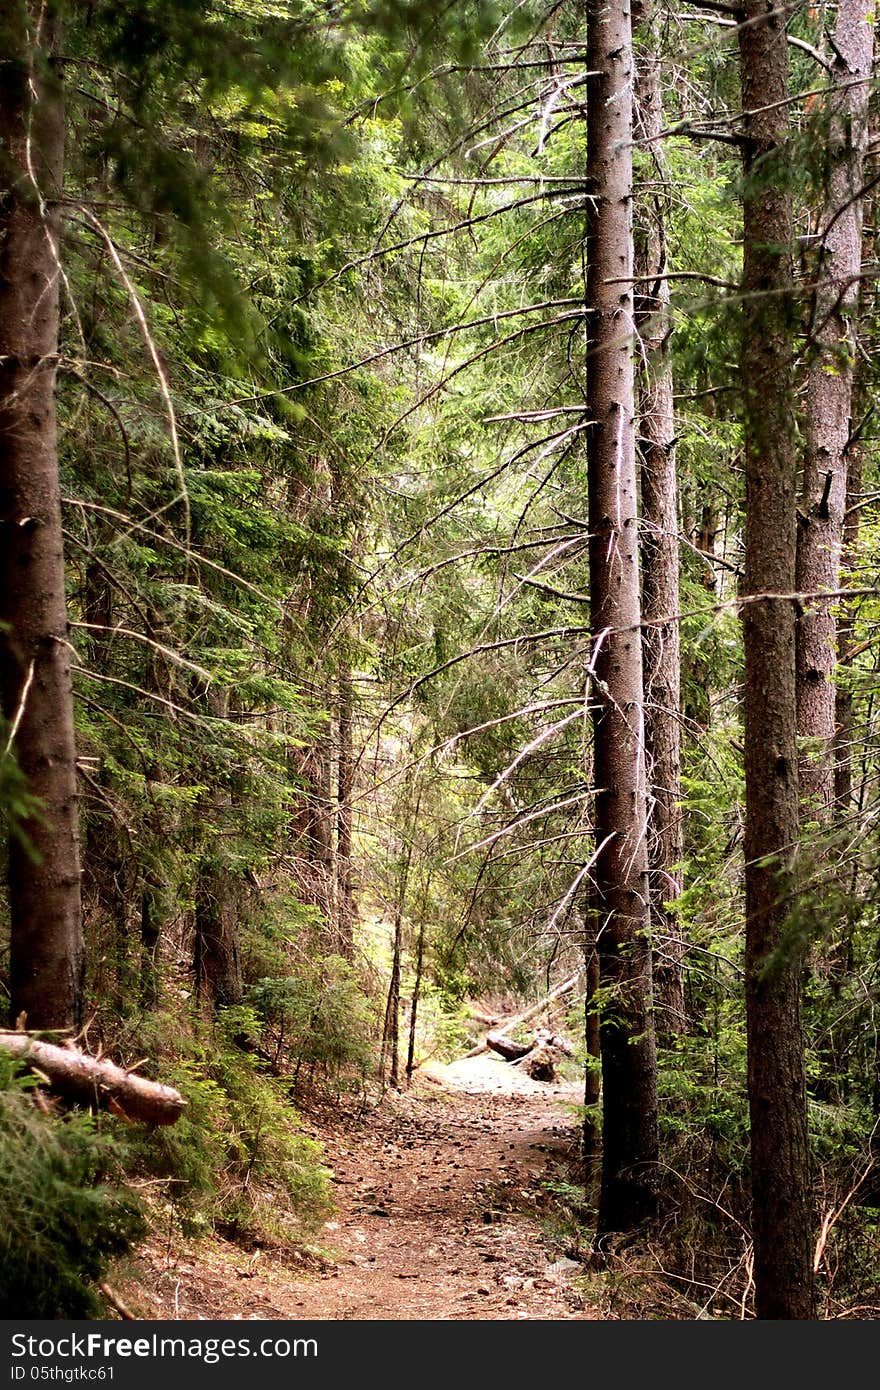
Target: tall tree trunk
<point>391,1027</point>
<point>416,994</point>
<point>391,1030</point>
<point>861,414</point>
<point>151,931</point>
<point>829,402</point>
<point>629,1072</point>
<point>105,894</point>
<point>661,652</point>
<point>46,966</point>
<point>313,828</point>
<point>705,542</point>
<point>781,1208</point>
<point>844,725</point>
<point>592,1137</point>
<point>345,910</point>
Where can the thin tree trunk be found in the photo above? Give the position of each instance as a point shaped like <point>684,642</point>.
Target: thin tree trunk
<point>844,726</point>
<point>629,1073</point>
<point>781,1208</point>
<point>46,966</point>
<point>150,936</point>
<point>391,1030</point>
<point>861,411</point>
<point>705,541</point>
<point>218,900</point>
<point>105,865</point>
<point>313,828</point>
<point>416,994</point>
<point>345,910</point>
<point>829,403</point>
<point>661,653</point>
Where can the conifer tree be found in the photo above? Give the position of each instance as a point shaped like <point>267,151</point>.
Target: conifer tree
<point>629,1076</point>
<point>35,679</point>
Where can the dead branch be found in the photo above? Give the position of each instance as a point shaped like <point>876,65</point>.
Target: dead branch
<point>95,1081</point>
<point>498,1033</point>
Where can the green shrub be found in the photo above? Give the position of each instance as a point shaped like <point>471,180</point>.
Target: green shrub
<point>64,1211</point>
<point>237,1159</point>
<point>320,1019</point>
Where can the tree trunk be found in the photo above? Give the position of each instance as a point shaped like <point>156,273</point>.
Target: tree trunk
<point>149,952</point>
<point>829,403</point>
<point>844,726</point>
<point>592,1138</point>
<point>629,1073</point>
<point>345,911</point>
<point>861,413</point>
<point>659,554</point>
<point>218,893</point>
<point>506,1047</point>
<point>313,827</point>
<point>705,542</point>
<point>216,961</point>
<point>414,1003</point>
<point>46,965</point>
<point>391,1030</point>
<point>781,1209</point>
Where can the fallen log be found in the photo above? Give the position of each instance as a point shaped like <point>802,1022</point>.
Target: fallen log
<point>96,1081</point>
<point>565,988</point>
<point>507,1048</point>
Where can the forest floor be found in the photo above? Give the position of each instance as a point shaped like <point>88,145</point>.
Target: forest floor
<point>445,1209</point>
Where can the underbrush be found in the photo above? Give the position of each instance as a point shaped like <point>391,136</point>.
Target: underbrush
<point>65,1209</point>
<point>237,1160</point>
<point>694,1260</point>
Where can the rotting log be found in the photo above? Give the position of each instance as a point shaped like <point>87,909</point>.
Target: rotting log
<point>96,1081</point>
<point>540,1062</point>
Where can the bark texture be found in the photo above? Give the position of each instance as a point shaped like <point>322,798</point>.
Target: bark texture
<point>46,964</point>
<point>96,1081</point>
<point>844,727</point>
<point>629,1074</point>
<point>592,1137</point>
<point>216,961</point>
<point>829,401</point>
<point>661,652</point>
<point>781,1207</point>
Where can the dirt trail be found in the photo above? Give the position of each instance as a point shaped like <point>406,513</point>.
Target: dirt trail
<point>439,1195</point>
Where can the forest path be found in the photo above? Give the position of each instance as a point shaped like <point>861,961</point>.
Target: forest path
<point>441,1213</point>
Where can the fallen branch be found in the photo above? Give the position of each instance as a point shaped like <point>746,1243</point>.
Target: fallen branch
<point>96,1081</point>
<point>565,988</point>
<point>116,1302</point>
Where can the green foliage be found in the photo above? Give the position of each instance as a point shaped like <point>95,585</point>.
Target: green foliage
<point>320,1018</point>
<point>17,803</point>
<point>65,1212</point>
<point>270,198</point>
<point>237,1159</point>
